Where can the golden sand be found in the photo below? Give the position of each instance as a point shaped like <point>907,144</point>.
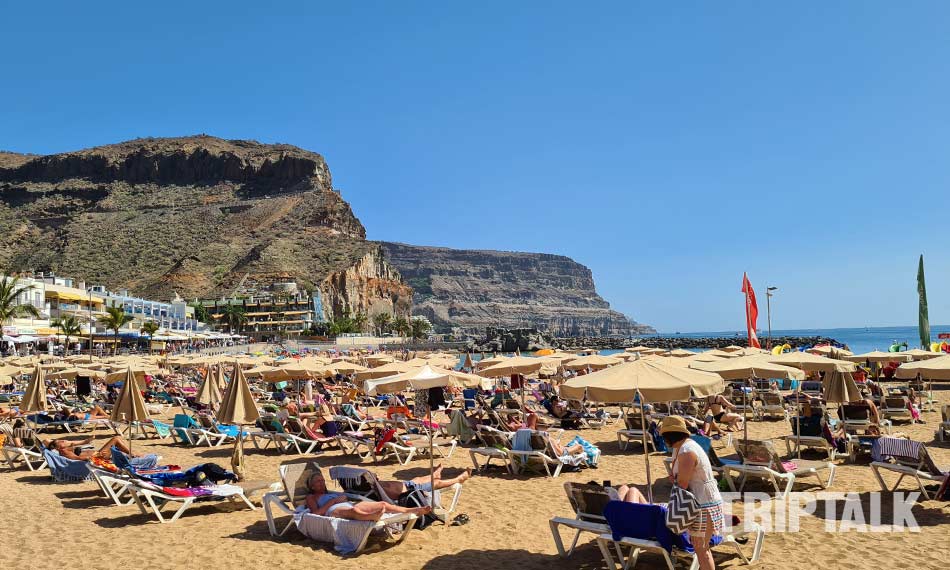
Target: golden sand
<point>73,525</point>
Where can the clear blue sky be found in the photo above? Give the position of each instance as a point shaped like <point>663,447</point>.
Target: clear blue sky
<point>669,147</point>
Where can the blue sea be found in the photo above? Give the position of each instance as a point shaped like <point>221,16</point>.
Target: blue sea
<point>864,339</point>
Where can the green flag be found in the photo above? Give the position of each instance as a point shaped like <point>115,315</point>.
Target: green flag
<point>924,321</point>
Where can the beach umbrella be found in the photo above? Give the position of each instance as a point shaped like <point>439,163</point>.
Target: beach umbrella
<point>733,348</point>
<point>129,405</point>
<point>209,393</point>
<point>469,364</point>
<point>521,365</point>
<point>220,380</point>
<point>745,367</point>
<point>391,369</point>
<point>238,408</point>
<point>840,388</point>
<point>681,353</point>
<point>423,379</point>
<point>878,356</point>
<point>830,351</point>
<point>920,354</point>
<point>932,369</point>
<point>34,400</point>
<point>812,362</point>
<point>646,381</point>
<point>594,362</point>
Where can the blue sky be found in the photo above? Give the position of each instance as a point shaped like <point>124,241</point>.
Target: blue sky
<point>669,147</point>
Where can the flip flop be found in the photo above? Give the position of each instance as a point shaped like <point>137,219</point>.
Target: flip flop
<point>460,520</point>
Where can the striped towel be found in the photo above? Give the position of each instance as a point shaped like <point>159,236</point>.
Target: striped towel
<point>346,535</point>
<point>897,448</point>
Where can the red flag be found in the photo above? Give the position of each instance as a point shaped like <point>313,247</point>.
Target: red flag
<point>751,311</point>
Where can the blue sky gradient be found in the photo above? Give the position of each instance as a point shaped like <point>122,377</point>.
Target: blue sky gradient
<point>669,147</point>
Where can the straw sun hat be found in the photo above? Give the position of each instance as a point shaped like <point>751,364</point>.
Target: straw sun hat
<point>673,424</point>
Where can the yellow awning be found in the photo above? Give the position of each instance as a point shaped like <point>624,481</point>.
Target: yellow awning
<point>68,296</point>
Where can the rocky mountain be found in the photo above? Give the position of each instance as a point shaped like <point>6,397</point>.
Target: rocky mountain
<point>199,216</point>
<point>473,290</point>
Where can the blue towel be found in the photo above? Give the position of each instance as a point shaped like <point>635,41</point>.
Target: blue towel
<point>133,464</point>
<point>522,440</point>
<point>647,522</point>
<point>64,469</point>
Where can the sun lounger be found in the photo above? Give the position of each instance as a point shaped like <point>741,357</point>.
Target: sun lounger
<point>495,444</point>
<point>642,528</point>
<point>297,438</point>
<point>64,470</point>
<point>772,405</point>
<point>808,438</point>
<point>633,432</point>
<point>538,453</point>
<point>30,454</point>
<point>943,430</point>
<point>152,498</point>
<point>588,502</point>
<point>115,486</point>
<point>910,459</point>
<point>896,408</point>
<point>347,536</point>
<point>760,460</point>
<point>362,484</point>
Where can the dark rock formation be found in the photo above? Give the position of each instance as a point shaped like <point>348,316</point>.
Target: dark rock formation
<point>468,290</point>
<point>509,340</point>
<point>673,342</point>
<point>195,215</point>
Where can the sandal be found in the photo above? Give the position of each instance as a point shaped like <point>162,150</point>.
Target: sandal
<point>460,520</point>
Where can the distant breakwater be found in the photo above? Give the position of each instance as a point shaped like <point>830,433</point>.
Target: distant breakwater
<point>672,342</point>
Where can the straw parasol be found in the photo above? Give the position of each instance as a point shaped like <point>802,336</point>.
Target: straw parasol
<point>681,353</point>
<point>129,405</point>
<point>35,398</point>
<point>594,362</point>
<point>878,356</point>
<point>648,381</point>
<point>812,362</point>
<point>920,354</point>
<point>839,387</point>
<point>238,407</point>
<point>209,393</point>
<point>397,367</point>
<point>830,351</point>
<point>745,367</point>
<point>932,369</point>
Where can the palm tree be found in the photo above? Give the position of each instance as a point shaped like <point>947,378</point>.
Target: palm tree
<point>201,312</point>
<point>69,326</point>
<point>401,326</point>
<point>359,322</point>
<point>149,328</point>
<point>234,316</point>
<point>382,321</point>
<point>114,319</point>
<point>419,328</point>
<point>10,307</point>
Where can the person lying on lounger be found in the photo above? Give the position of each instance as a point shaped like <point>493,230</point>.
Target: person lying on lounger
<point>96,413</point>
<point>324,503</point>
<point>69,449</point>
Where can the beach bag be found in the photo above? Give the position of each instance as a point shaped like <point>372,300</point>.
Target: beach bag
<point>681,511</point>
<point>415,499</point>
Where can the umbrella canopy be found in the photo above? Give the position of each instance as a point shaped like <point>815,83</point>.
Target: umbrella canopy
<point>385,370</point>
<point>469,363</point>
<point>920,354</point>
<point>73,373</point>
<point>839,387</point>
<point>812,362</point>
<point>830,351</point>
<point>11,370</point>
<point>681,353</point>
<point>138,373</point>
<point>344,367</point>
<point>745,367</point>
<point>237,405</point>
<point>209,393</point>
<point>35,398</point>
<point>486,362</point>
<point>594,361</point>
<point>655,380</point>
<point>932,369</point>
<point>377,359</point>
<point>129,405</point>
<point>720,353</point>
<point>733,348</point>
<point>878,356</point>
<point>517,365</point>
<point>421,378</point>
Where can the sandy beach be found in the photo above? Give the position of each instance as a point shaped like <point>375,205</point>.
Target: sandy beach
<point>50,524</point>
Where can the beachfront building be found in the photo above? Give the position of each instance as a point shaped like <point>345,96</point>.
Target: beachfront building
<point>176,316</point>
<point>54,297</point>
<point>281,311</point>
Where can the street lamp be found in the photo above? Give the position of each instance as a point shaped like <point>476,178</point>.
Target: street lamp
<point>768,309</point>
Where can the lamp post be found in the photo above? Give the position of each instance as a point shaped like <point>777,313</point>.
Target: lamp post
<point>768,310</point>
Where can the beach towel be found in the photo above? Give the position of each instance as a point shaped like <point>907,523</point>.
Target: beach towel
<point>886,447</point>
<point>161,428</point>
<point>459,427</point>
<point>590,450</point>
<point>66,470</point>
<point>346,535</point>
<point>522,440</point>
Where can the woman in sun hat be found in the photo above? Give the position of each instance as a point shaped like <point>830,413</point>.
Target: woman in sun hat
<point>692,471</point>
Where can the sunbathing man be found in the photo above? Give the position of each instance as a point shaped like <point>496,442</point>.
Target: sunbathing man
<point>395,488</point>
<point>68,448</point>
<point>324,503</point>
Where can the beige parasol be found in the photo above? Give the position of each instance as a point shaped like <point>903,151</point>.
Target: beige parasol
<point>745,367</point>
<point>812,362</point>
<point>34,400</point>
<point>878,356</point>
<point>932,369</point>
<point>209,393</point>
<point>238,407</point>
<point>593,362</point>
<point>129,405</point>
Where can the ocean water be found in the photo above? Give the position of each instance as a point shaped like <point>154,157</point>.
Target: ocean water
<point>863,339</point>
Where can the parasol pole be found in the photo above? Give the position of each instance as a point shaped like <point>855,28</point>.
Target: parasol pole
<point>646,450</point>
<point>798,420</point>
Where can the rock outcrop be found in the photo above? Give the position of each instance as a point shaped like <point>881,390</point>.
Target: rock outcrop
<point>199,216</point>
<point>466,291</point>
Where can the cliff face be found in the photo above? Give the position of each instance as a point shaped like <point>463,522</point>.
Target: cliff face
<point>472,290</point>
<point>370,285</point>
<point>196,215</point>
